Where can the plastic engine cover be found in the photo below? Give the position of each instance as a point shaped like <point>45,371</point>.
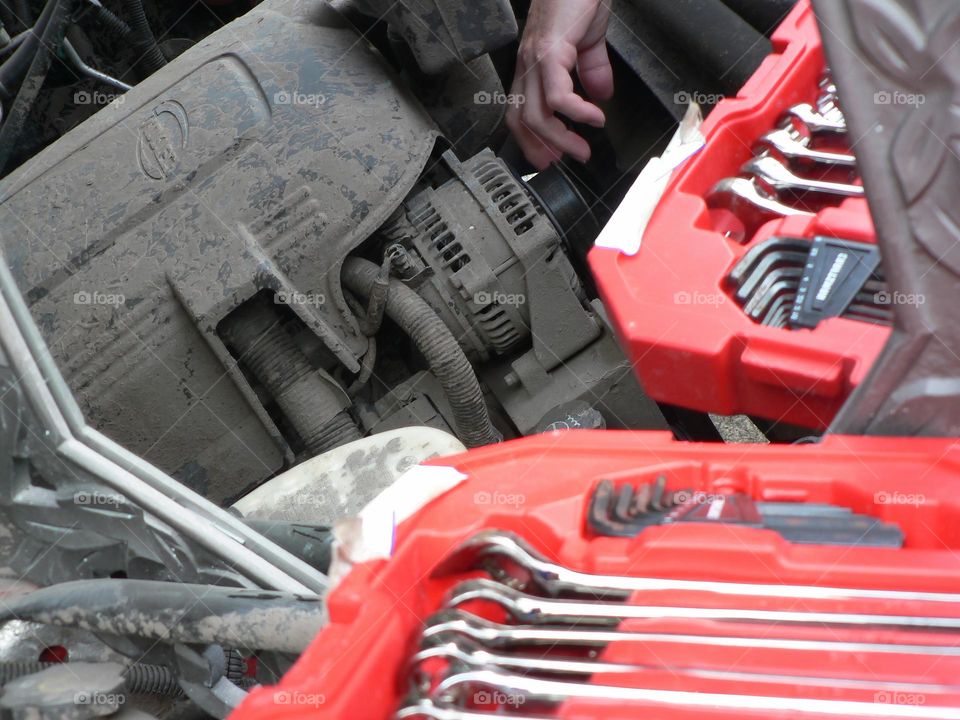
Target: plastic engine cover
<point>256,160</point>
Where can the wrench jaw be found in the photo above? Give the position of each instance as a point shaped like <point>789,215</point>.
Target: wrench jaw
<point>512,561</point>
<point>452,623</point>
<point>752,204</point>
<point>780,180</point>
<point>504,556</point>
<point>509,600</point>
<point>499,691</point>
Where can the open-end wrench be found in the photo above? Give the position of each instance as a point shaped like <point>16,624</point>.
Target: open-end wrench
<point>797,151</point>
<point>816,122</point>
<point>499,549</point>
<point>461,655</point>
<point>780,179</point>
<point>456,688</point>
<point>449,624</point>
<point>752,204</point>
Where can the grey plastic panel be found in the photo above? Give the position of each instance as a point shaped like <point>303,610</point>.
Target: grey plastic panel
<point>258,159</point>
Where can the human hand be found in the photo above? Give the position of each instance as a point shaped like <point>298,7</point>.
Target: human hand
<point>561,35</point>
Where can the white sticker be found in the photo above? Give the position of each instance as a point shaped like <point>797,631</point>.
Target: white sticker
<point>372,534</point>
<point>624,231</point>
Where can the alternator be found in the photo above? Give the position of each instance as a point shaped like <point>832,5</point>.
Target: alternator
<point>496,270</point>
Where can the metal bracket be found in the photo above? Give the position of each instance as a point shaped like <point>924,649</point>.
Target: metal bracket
<point>86,507</point>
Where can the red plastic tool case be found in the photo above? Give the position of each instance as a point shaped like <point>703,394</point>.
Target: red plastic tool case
<point>689,341</point>
<point>540,488</point>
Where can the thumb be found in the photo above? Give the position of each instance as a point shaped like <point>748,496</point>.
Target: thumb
<point>595,71</point>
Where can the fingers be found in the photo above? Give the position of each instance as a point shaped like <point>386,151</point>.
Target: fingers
<point>595,71</point>
<point>541,135</point>
<point>538,152</point>
<point>534,149</point>
<point>560,97</point>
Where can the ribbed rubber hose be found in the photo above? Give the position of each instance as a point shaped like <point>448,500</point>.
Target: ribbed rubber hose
<point>141,679</point>
<point>153,57</point>
<point>114,25</point>
<point>437,344</point>
<point>171,613</point>
<point>312,405</point>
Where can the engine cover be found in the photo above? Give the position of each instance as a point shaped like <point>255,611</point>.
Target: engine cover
<point>256,160</point>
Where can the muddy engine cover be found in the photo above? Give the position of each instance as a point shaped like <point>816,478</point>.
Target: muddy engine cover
<point>256,160</point>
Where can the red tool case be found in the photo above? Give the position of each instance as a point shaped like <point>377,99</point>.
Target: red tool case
<point>691,344</point>
<point>540,488</point>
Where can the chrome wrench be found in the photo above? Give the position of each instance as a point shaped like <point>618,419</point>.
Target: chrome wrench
<point>498,549</point>
<point>542,611</point>
<point>456,688</point>
<point>790,145</point>
<point>464,655</point>
<point>779,178</point>
<point>457,623</point>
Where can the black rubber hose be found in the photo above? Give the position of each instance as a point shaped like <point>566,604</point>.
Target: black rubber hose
<point>13,71</point>
<point>312,404</point>
<point>113,24</point>
<point>152,57</point>
<point>176,613</point>
<point>53,22</point>
<point>141,679</point>
<point>713,36</point>
<point>438,346</point>
<point>22,9</point>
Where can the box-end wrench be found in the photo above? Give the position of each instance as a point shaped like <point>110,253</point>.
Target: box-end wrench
<point>498,550</point>
<point>449,624</point>
<point>460,687</point>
